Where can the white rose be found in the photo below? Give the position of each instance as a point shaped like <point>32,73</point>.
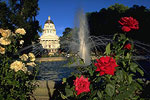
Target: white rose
<point>21,41</point>
<point>4,41</point>
<point>2,50</point>
<point>5,33</point>
<point>18,65</point>
<point>24,57</point>
<point>32,57</point>
<point>32,64</point>
<point>20,31</point>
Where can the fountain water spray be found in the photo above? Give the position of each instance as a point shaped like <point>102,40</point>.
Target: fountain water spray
<point>82,35</point>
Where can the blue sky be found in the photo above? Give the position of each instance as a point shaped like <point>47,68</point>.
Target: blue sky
<point>62,12</point>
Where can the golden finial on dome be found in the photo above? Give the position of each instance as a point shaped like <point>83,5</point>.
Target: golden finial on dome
<point>49,17</point>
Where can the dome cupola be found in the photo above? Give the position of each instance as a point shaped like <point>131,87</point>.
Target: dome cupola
<point>49,20</point>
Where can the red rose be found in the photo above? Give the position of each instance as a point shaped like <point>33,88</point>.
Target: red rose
<point>81,85</point>
<point>129,23</point>
<point>106,65</point>
<point>126,28</point>
<point>127,46</point>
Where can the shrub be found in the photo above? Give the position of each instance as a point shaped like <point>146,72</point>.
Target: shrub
<point>17,72</point>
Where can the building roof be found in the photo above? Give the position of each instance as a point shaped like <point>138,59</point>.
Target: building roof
<point>49,21</point>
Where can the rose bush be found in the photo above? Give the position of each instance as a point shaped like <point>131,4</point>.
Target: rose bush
<point>113,76</point>
<point>17,81</point>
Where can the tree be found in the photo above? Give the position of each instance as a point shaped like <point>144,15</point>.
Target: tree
<point>4,16</point>
<point>27,11</point>
<point>66,39</point>
<point>21,13</point>
<point>118,7</point>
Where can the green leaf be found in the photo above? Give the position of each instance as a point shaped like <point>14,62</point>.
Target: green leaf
<point>110,89</point>
<point>122,36</point>
<point>69,92</point>
<point>107,52</point>
<point>122,88</point>
<point>128,93</point>
<point>93,93</point>
<point>90,71</point>
<point>140,71</point>
<point>97,74</point>
<point>137,85</point>
<point>108,98</point>
<point>119,75</point>
<point>130,78</point>
<point>124,64</point>
<point>133,67</point>
<point>115,36</point>
<point>127,56</point>
<point>64,80</point>
<point>81,61</point>
<point>99,94</point>
<point>140,80</point>
<point>95,98</point>
<point>63,96</point>
<point>135,98</point>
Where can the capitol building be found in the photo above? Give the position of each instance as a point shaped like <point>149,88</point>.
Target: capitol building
<point>49,40</point>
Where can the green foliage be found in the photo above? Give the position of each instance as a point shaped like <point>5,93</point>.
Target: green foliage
<point>107,52</point>
<point>110,89</point>
<point>118,7</point>
<point>66,39</point>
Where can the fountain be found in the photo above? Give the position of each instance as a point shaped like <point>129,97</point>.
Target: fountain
<point>81,39</point>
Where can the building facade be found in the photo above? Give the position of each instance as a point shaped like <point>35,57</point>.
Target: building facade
<point>49,40</point>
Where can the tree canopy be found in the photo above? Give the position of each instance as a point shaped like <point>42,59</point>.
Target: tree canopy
<point>66,39</point>
<point>21,14</point>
